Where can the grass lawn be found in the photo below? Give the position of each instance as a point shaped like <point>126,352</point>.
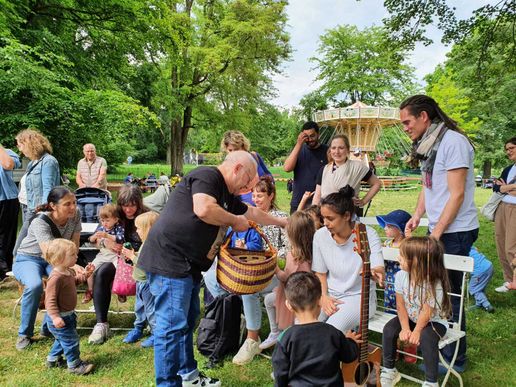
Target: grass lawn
<point>491,337</point>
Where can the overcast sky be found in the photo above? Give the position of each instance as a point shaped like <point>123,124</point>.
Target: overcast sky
<point>308,19</point>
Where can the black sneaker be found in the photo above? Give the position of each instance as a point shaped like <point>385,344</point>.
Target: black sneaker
<point>489,308</point>
<point>82,368</point>
<point>59,363</point>
<point>202,381</point>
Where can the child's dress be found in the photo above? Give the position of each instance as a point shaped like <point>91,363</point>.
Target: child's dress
<point>106,255</point>
<point>391,268</point>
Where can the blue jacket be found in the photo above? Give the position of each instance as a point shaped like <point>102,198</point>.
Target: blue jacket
<point>253,240</point>
<point>42,176</point>
<point>8,188</point>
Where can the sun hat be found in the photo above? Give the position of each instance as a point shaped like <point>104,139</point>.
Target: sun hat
<point>396,218</point>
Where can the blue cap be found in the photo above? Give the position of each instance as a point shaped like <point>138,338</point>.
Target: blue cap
<point>396,218</point>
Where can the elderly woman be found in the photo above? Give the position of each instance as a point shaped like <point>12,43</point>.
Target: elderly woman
<point>58,218</point>
<point>42,174</point>
<point>505,220</point>
<point>339,266</point>
<point>341,171</point>
<point>233,140</point>
<point>130,205</point>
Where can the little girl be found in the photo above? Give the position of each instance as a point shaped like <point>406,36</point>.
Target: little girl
<point>422,304</point>
<point>144,304</point>
<point>300,233</point>
<point>60,303</point>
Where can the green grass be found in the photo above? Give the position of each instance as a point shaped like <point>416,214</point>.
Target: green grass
<point>491,337</point>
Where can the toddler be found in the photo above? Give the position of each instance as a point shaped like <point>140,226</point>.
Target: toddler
<point>109,228</point>
<point>309,353</point>
<point>482,274</point>
<point>60,303</point>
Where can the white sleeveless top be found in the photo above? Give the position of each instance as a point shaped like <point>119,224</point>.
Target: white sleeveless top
<point>351,172</point>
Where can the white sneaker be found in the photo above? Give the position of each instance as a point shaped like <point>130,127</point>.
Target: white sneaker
<point>270,341</point>
<point>504,288</point>
<point>202,381</point>
<point>100,333</point>
<point>389,377</point>
<point>247,352</point>
<point>429,384</point>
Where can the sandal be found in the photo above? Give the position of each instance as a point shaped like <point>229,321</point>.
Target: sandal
<point>88,296</point>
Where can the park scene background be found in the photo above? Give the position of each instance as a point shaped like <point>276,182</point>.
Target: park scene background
<point>153,80</point>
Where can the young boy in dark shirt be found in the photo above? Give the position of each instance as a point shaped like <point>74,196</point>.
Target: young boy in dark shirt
<point>309,353</point>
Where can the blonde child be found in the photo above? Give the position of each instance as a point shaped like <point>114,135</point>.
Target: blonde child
<point>300,233</point>
<point>109,228</point>
<point>60,303</point>
<point>422,304</point>
<point>144,304</point>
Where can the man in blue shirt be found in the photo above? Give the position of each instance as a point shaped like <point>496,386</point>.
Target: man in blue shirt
<point>306,159</point>
<point>9,207</point>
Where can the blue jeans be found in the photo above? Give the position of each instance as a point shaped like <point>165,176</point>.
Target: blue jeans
<point>66,341</point>
<point>29,271</point>
<point>177,307</point>
<point>251,302</point>
<point>144,306</point>
<point>477,287</point>
<point>458,243</point>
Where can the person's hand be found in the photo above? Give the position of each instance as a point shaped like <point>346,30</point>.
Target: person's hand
<point>405,334</point>
<point>240,244</point>
<point>359,202</point>
<point>58,322</point>
<point>307,195</point>
<point>412,224</point>
<point>89,269</point>
<point>356,337</point>
<point>329,304</point>
<point>128,253</point>
<point>378,274</point>
<point>79,269</point>
<point>301,138</point>
<point>240,224</point>
<point>414,337</point>
<point>112,245</point>
<point>101,234</point>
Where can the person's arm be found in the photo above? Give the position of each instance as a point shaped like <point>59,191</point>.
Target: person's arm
<point>374,187</point>
<point>456,179</point>
<point>6,161</point>
<point>78,178</point>
<point>349,347</point>
<point>291,161</point>
<point>49,176</point>
<point>328,303</point>
<point>280,365</point>
<point>403,317</point>
<point>102,176</point>
<point>317,195</point>
<point>307,195</point>
<point>422,322</point>
<point>207,209</point>
<point>262,217</point>
<point>51,306</point>
<point>418,214</point>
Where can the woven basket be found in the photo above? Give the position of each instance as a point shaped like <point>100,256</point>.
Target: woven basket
<point>242,271</point>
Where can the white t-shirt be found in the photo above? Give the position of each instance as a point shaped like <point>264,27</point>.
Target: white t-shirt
<point>454,152</point>
<point>342,264</point>
<point>412,298</point>
<point>508,198</point>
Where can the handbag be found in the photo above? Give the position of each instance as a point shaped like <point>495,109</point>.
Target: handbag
<point>488,210</point>
<point>124,283</point>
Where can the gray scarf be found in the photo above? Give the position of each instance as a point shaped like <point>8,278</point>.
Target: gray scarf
<point>425,149</point>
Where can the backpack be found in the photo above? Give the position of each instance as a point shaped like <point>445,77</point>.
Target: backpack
<point>219,330</point>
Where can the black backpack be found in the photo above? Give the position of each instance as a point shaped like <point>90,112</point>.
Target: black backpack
<point>219,330</point>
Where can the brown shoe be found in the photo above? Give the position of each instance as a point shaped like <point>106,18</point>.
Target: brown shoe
<point>88,296</point>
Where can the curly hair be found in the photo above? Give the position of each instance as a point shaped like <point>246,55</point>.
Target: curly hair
<point>57,250</point>
<point>235,138</point>
<point>36,143</point>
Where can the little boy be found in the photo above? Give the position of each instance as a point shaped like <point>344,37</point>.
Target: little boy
<point>309,353</point>
<point>60,303</point>
<point>482,273</point>
<point>109,228</point>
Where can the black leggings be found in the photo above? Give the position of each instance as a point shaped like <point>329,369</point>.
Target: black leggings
<point>102,283</point>
<point>429,343</point>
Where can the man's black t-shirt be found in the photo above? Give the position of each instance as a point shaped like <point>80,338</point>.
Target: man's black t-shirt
<point>308,164</point>
<point>310,355</point>
<point>180,243</point>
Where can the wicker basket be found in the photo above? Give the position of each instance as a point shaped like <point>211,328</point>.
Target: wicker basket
<point>242,271</point>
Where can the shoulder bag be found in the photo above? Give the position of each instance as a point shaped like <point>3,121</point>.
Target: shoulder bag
<point>488,210</point>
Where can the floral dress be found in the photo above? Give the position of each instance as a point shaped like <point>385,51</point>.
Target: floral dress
<point>276,235</point>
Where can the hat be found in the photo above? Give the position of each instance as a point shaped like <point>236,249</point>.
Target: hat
<point>396,218</point>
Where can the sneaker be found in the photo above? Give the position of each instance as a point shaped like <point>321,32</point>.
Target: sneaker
<point>489,308</point>
<point>133,336</point>
<point>82,368</point>
<point>270,341</point>
<point>202,381</point>
<point>100,333</point>
<point>59,363</point>
<point>389,377</point>
<point>247,352</point>
<point>430,384</point>
<point>22,343</point>
<point>504,288</point>
<point>148,342</point>
<point>88,296</point>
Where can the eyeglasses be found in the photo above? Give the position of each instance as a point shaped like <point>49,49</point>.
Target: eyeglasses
<point>510,148</point>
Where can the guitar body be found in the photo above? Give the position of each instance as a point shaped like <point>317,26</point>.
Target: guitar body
<point>358,372</point>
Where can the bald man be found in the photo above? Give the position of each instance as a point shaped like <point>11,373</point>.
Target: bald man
<point>92,169</point>
<point>183,243</point>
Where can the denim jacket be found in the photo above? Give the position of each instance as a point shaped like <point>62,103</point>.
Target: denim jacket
<point>41,179</point>
<point>8,188</point>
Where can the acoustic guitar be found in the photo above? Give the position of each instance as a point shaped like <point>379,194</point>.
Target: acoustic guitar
<point>359,371</point>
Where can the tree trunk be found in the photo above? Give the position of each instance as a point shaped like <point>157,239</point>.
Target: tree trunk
<point>176,147</point>
<point>486,169</point>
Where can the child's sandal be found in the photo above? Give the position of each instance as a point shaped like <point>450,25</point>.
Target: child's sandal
<point>88,296</point>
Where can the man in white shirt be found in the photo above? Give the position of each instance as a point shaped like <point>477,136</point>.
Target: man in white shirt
<point>92,169</point>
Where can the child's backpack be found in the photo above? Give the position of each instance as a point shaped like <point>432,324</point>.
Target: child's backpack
<point>219,330</point>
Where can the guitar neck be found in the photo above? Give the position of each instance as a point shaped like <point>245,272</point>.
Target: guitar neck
<point>364,311</point>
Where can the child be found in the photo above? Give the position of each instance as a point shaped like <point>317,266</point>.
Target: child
<point>423,306</point>
<point>300,233</point>
<point>109,228</point>
<point>60,303</point>
<point>394,225</point>
<point>309,353</point>
<point>315,212</point>
<point>144,304</point>
<point>482,273</point>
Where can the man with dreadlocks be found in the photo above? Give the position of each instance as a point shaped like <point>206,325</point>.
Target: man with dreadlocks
<point>446,157</point>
